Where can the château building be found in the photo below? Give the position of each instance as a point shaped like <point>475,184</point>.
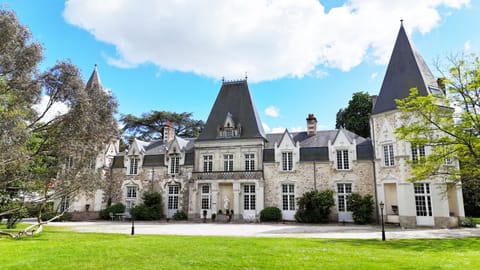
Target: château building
<point>234,165</point>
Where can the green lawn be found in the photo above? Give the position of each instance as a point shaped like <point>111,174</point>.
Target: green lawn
<point>59,249</point>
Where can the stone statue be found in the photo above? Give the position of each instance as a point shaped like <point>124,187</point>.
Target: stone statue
<point>226,202</point>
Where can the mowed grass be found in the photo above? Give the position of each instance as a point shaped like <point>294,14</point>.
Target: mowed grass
<point>59,249</point>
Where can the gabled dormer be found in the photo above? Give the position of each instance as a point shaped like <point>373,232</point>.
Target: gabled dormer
<point>342,150</point>
<point>287,152</point>
<point>175,155</point>
<point>229,129</point>
<point>134,156</point>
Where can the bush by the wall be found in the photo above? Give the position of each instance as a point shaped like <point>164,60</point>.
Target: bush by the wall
<point>150,209</point>
<point>361,207</point>
<point>114,209</point>
<point>180,215</point>
<point>270,214</point>
<point>469,223</point>
<point>314,206</point>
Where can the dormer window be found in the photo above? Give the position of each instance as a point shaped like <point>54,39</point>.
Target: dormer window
<point>229,129</point>
<point>342,160</point>
<point>133,169</point>
<point>174,164</point>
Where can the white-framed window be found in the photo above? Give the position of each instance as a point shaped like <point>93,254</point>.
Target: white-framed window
<point>174,164</point>
<point>388,156</point>
<point>92,163</point>
<point>249,162</point>
<point>423,202</point>
<point>287,161</point>
<point>343,192</point>
<point>205,197</point>
<point>418,153</point>
<point>69,162</point>
<point>448,161</point>
<point>173,191</point>
<point>288,197</point>
<point>64,204</point>
<point>207,163</point>
<point>131,197</point>
<point>342,160</point>
<point>249,197</point>
<point>228,163</point>
<point>133,169</point>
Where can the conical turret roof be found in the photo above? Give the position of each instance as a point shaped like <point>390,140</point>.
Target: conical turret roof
<point>406,70</point>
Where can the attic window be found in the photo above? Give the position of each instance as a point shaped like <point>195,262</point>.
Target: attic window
<point>435,90</point>
<point>229,129</point>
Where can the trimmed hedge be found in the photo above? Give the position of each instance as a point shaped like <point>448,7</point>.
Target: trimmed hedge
<point>314,206</point>
<point>270,214</point>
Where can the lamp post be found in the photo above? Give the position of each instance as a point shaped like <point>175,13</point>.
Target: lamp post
<point>133,220</point>
<point>383,224</point>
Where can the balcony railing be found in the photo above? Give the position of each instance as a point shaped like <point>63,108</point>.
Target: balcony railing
<point>235,175</point>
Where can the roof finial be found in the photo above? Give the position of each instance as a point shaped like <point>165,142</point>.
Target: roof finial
<point>223,79</point>
<point>401,21</point>
<point>246,77</point>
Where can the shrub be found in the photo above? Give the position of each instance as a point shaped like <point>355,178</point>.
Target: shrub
<point>314,206</point>
<point>180,215</point>
<point>114,208</point>
<point>469,223</point>
<point>361,207</point>
<point>270,214</point>
<point>150,209</point>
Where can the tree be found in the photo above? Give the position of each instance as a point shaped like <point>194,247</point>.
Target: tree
<point>46,159</point>
<point>448,123</point>
<point>356,117</point>
<point>315,206</point>
<point>150,125</point>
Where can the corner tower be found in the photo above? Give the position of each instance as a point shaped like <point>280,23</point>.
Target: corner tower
<point>409,204</point>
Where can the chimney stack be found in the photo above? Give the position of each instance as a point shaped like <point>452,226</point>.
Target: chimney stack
<point>311,124</point>
<point>168,132</point>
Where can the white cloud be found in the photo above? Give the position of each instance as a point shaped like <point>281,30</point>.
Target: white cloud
<point>373,75</point>
<point>266,128</point>
<point>268,39</point>
<point>467,45</point>
<point>272,111</point>
<point>56,110</point>
<point>278,130</point>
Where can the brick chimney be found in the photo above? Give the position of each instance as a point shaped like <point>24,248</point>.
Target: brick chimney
<point>168,132</point>
<point>311,124</point>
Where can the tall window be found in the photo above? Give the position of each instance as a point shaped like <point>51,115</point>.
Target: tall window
<point>249,197</point>
<point>207,163</point>
<point>134,165</point>
<point>131,197</point>
<point>287,161</point>
<point>205,197</point>
<point>92,163</point>
<point>174,164</point>
<point>65,204</point>
<point>249,162</point>
<point>388,159</point>
<point>228,163</point>
<point>418,153</point>
<point>423,203</point>
<point>69,162</point>
<point>172,203</point>
<point>343,192</point>
<point>288,197</point>
<point>342,160</point>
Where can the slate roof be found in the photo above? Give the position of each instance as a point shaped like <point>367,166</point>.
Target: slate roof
<point>406,70</point>
<point>235,98</point>
<point>94,80</point>
<point>315,147</point>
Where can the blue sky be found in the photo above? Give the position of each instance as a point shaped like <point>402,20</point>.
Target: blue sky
<point>300,56</point>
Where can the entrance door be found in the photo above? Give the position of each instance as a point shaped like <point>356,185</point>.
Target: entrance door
<point>288,201</point>
<point>249,202</point>
<point>343,192</point>
<point>172,203</point>
<point>423,204</point>
<point>206,199</point>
